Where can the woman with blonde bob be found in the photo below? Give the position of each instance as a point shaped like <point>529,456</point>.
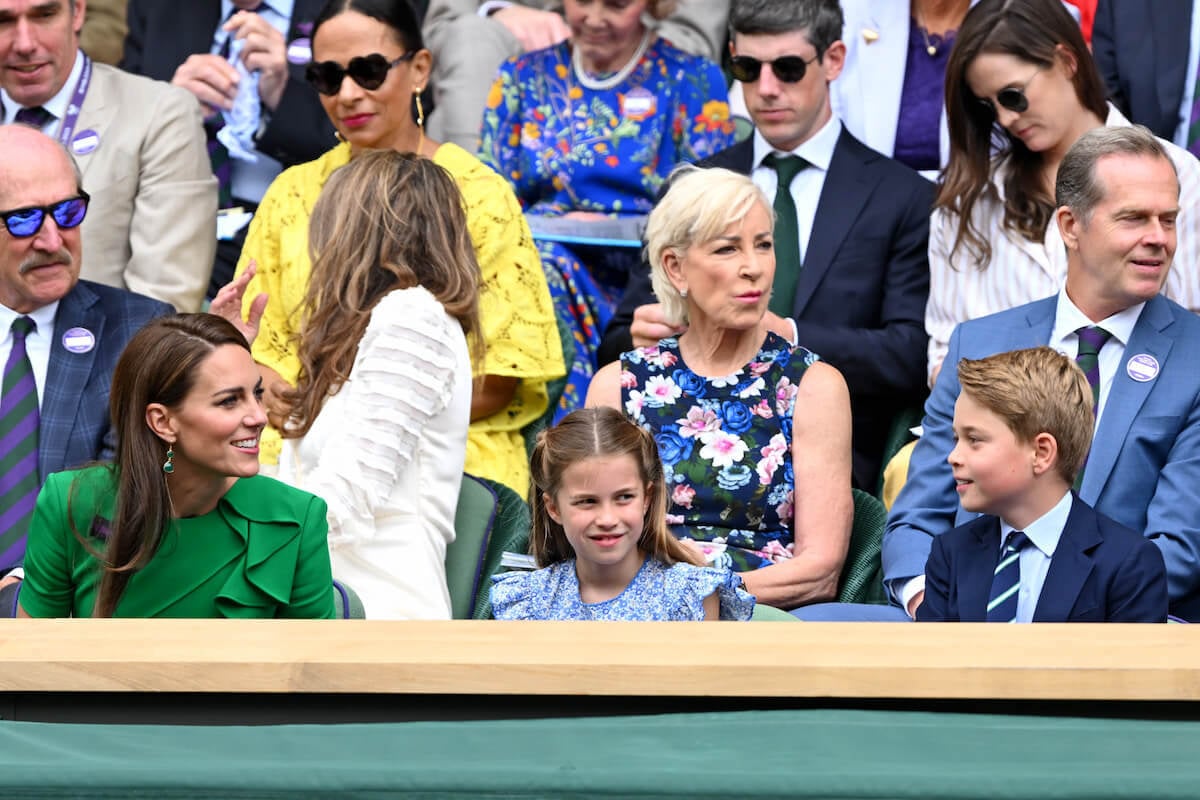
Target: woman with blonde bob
<point>753,430</point>
<point>379,417</point>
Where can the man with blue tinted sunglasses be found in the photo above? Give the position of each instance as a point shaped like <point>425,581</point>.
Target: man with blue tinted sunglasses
<point>59,336</point>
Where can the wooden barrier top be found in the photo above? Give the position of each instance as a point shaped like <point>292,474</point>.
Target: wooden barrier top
<point>814,660</point>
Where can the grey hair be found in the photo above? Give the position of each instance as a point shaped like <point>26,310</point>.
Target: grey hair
<point>698,206</point>
<point>1076,186</point>
<point>821,21</point>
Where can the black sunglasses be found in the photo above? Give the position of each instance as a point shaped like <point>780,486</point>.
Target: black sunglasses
<point>369,72</point>
<point>788,69</point>
<point>25,222</point>
<point>1011,97</point>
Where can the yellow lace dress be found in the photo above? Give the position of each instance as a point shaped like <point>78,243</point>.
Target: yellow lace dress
<point>520,333</point>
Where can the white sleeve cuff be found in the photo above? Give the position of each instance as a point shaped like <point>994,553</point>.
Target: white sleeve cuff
<point>490,7</point>
<point>16,572</point>
<point>910,590</point>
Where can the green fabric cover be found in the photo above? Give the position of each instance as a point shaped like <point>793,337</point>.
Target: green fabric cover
<point>784,754</point>
<point>473,520</point>
<point>510,533</point>
<point>862,574</point>
<point>771,614</point>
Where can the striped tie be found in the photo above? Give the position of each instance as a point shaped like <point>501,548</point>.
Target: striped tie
<point>1006,580</point>
<point>18,446</point>
<point>1091,341</point>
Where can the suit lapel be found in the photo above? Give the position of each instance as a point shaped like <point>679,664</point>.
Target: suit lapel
<point>1126,397</point>
<point>98,114</point>
<point>979,562</point>
<point>1070,567</point>
<point>843,195</point>
<point>67,376</point>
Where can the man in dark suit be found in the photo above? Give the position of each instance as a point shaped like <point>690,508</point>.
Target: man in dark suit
<point>64,333</point>
<point>182,43</point>
<point>861,222</point>
<point>1142,50</point>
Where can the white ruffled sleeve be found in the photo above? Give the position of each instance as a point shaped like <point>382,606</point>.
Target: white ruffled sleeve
<point>403,376</point>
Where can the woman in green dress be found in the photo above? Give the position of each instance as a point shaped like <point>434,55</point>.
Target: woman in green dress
<point>180,524</point>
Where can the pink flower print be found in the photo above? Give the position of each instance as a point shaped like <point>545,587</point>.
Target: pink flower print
<point>674,519</point>
<point>759,367</point>
<point>786,510</point>
<point>633,406</point>
<point>661,390</point>
<point>698,421</point>
<point>722,448</point>
<point>683,495</point>
<point>763,409</point>
<point>776,552</point>
<point>772,459</point>
<point>661,358</point>
<point>628,379</point>
<point>785,397</point>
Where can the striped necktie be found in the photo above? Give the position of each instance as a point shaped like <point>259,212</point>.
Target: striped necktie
<point>787,233</point>
<point>1091,341</point>
<point>18,446</point>
<point>1006,580</point>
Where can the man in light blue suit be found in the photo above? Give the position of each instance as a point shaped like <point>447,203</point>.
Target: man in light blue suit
<point>1117,194</point>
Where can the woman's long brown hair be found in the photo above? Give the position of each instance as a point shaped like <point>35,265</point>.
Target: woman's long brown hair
<point>157,366</point>
<point>385,221</point>
<point>1033,31</point>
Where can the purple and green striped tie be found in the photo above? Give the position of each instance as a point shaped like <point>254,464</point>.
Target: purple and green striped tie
<point>18,446</point>
<point>1091,341</point>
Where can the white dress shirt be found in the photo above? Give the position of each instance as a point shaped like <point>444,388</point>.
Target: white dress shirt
<point>37,343</point>
<point>1021,271</point>
<point>808,183</point>
<point>1044,533</point>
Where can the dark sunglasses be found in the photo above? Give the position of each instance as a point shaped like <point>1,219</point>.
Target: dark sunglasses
<point>25,222</point>
<point>1011,97</point>
<point>369,72</point>
<point>788,69</point>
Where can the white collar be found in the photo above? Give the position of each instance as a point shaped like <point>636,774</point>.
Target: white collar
<point>817,150</point>
<point>43,317</point>
<point>1046,530</point>
<point>1068,319</point>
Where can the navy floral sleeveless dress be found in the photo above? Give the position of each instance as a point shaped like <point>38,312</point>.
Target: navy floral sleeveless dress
<point>726,447</point>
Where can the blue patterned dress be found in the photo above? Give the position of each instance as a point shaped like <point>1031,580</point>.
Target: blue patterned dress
<point>726,447</point>
<point>657,593</point>
<point>565,147</point>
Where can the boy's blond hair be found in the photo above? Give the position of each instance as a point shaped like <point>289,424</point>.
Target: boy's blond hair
<point>1037,390</point>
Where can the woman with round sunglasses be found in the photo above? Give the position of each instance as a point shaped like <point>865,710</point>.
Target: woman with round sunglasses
<point>1021,88</point>
<point>588,129</point>
<point>370,68</point>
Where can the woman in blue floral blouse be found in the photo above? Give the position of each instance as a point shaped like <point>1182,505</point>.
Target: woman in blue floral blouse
<point>590,128</point>
<point>753,431</point>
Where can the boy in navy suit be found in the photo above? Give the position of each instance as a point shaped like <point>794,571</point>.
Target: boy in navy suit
<point>1022,428</point>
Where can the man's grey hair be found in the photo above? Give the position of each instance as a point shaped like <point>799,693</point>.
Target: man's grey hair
<point>821,21</point>
<point>1076,185</point>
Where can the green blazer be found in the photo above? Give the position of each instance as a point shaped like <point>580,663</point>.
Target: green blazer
<point>261,553</point>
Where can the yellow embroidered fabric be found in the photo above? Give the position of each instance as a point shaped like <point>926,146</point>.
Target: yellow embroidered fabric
<point>520,333</point>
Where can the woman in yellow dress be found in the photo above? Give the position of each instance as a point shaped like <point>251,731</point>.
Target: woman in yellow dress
<point>370,67</point>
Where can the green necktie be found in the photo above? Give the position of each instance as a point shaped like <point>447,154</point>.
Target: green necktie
<point>787,234</point>
<point>1091,341</point>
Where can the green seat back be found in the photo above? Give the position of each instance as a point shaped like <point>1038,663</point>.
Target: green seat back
<point>899,434</point>
<point>862,574</point>
<point>510,533</point>
<point>346,604</point>
<point>473,519</point>
<point>770,614</point>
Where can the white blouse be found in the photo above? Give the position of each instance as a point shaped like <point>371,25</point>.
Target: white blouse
<point>386,453</point>
<point>1021,271</point>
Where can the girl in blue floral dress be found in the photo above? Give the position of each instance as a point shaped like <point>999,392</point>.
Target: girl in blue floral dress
<point>581,134</point>
<point>600,539</point>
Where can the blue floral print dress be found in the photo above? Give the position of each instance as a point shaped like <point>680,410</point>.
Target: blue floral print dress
<point>657,593</point>
<point>566,147</point>
<point>726,447</point>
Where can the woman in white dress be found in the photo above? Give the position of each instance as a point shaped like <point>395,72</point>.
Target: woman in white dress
<point>379,416</point>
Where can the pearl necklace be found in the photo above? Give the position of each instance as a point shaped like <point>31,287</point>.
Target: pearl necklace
<point>618,77</point>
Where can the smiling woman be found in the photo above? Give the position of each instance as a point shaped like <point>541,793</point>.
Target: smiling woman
<point>179,524</point>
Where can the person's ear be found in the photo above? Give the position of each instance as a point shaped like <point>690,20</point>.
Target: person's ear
<point>80,14</point>
<point>1069,226</point>
<point>420,67</point>
<point>834,60</point>
<point>1045,453</point>
<point>551,507</point>
<point>161,422</point>
<point>673,267</point>
<point>1065,57</point>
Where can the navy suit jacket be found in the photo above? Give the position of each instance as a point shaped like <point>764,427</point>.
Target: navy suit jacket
<point>1144,466</point>
<point>163,35</point>
<point>74,424</point>
<point>1141,49</point>
<point>1101,571</point>
<point>860,301</point>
